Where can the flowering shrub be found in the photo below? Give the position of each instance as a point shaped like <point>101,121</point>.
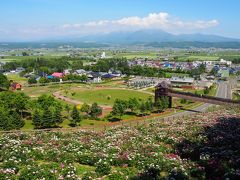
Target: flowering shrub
<point>198,147</point>
<point>102,167</point>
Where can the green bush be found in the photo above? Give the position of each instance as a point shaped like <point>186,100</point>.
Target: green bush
<point>102,167</point>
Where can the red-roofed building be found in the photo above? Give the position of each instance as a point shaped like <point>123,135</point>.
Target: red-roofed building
<point>16,86</point>
<point>57,75</point>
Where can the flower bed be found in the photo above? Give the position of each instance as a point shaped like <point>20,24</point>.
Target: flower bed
<point>203,146</point>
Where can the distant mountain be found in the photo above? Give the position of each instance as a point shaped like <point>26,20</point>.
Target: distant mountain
<point>148,36</point>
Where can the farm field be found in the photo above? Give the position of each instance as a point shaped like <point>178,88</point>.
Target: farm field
<point>198,58</point>
<point>158,150</point>
<point>131,55</point>
<point>105,96</point>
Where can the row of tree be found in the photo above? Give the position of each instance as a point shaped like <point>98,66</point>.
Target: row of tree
<point>45,65</point>
<point>139,106</point>
<point>48,113</point>
<point>70,77</point>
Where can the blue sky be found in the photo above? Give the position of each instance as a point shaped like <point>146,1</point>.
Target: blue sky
<point>38,19</point>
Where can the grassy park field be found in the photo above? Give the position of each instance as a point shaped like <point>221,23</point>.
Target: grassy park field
<point>105,96</point>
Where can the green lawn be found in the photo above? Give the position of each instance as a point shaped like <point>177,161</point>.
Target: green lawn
<point>204,58</point>
<point>106,96</point>
<point>17,78</point>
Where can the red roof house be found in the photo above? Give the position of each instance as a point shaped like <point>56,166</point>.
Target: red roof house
<point>57,75</point>
<point>16,86</point>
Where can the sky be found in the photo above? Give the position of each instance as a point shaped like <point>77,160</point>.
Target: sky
<point>29,20</point>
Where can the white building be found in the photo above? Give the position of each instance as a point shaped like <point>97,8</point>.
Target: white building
<point>103,55</point>
<point>222,61</point>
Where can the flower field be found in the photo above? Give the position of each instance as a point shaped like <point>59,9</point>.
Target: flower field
<point>203,146</point>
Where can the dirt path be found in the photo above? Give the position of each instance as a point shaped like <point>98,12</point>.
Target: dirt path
<point>58,95</point>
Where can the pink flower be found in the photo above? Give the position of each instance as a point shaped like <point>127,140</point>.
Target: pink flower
<point>62,165</point>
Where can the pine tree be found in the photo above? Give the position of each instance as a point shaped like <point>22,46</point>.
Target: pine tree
<point>47,119</point>
<point>75,116</point>
<point>57,115</point>
<point>17,121</point>
<point>37,120</point>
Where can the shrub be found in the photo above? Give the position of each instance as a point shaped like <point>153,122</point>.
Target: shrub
<point>102,167</point>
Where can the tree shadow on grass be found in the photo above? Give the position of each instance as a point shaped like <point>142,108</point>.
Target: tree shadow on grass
<point>216,149</point>
<point>114,119</point>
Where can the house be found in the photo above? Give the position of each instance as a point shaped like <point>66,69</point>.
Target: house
<point>20,69</point>
<point>108,76</point>
<point>67,72</point>
<point>184,82</point>
<point>222,61</point>
<point>57,75</point>
<point>97,80</point>
<point>50,77</point>
<point>94,77</point>
<point>16,86</point>
<point>80,72</point>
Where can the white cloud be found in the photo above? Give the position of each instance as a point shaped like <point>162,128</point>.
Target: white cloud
<point>160,20</point>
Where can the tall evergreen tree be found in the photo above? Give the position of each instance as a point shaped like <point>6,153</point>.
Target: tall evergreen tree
<point>75,116</point>
<point>47,119</point>
<point>57,115</point>
<point>37,119</point>
<point>16,120</point>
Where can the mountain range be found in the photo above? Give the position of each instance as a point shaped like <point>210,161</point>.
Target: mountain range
<point>150,35</point>
<point>147,37</point>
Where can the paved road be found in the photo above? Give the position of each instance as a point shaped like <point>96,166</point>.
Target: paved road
<point>223,91</point>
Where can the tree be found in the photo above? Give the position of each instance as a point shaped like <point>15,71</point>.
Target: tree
<point>95,110</point>
<point>85,108</point>
<point>37,119</point>
<point>78,64</point>
<point>16,120</point>
<point>47,118</point>
<point>67,108</point>
<point>119,107</point>
<point>44,101</point>
<point>206,91</point>
<point>4,82</point>
<point>149,105</point>
<point>57,115</point>
<point>20,102</point>
<point>43,80</point>
<point>25,54</point>
<point>32,80</point>
<point>10,120</point>
<point>133,104</point>
<point>143,108</point>
<point>159,105</point>
<point>75,116</point>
